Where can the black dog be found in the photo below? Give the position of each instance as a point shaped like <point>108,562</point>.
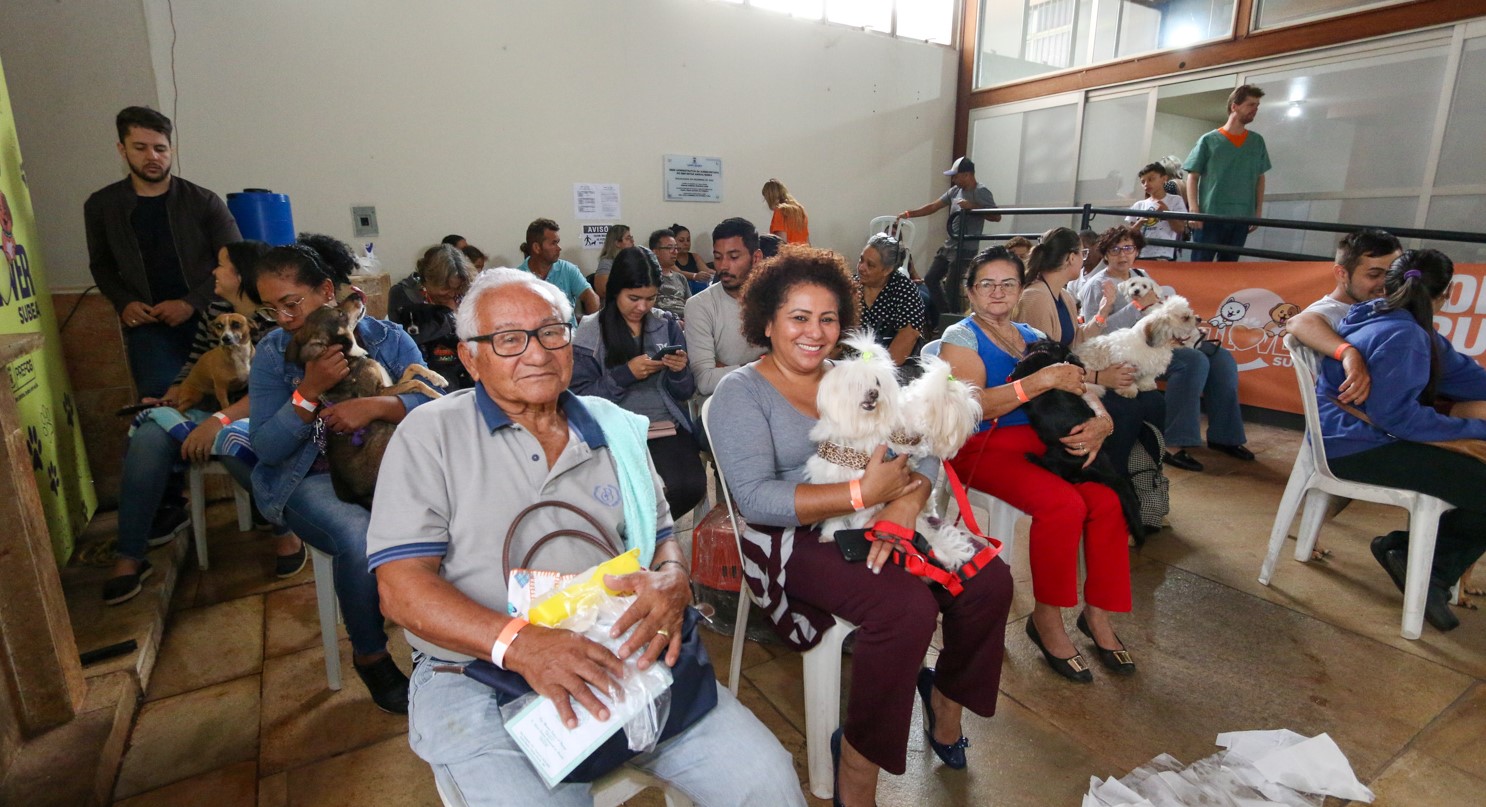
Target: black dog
<point>1054,414</point>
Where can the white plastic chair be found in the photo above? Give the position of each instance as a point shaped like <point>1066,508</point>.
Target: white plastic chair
<point>1312,479</point>
<point>822,664</point>
<point>1001,518</point>
<point>611,791</point>
<point>329,609</point>
<point>197,479</point>
<point>906,231</point>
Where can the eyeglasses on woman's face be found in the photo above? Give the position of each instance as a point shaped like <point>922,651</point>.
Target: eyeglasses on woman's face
<point>989,286</point>
<point>291,309</point>
<point>1123,249</point>
<point>554,336</point>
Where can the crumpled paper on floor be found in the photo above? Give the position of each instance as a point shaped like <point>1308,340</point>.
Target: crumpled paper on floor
<point>1259,768</point>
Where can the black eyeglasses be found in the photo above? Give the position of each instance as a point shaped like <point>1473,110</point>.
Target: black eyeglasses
<point>513,343</point>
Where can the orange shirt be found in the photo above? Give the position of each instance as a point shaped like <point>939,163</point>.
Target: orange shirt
<point>800,235</point>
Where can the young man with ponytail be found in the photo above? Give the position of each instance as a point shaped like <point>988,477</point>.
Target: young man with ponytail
<point>1385,439</point>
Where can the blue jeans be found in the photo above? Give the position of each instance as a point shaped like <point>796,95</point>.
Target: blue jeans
<point>728,758</point>
<point>149,459</point>
<point>1192,376</point>
<point>1212,232</point>
<point>157,353</point>
<point>338,529</point>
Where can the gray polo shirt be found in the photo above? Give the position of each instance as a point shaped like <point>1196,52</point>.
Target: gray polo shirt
<point>456,474</point>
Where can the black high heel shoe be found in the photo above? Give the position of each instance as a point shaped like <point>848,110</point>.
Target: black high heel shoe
<point>952,754</point>
<point>836,768</point>
<point>1073,668</point>
<point>1117,661</point>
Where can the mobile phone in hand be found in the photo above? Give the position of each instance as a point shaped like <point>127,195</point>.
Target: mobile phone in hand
<point>665,350</point>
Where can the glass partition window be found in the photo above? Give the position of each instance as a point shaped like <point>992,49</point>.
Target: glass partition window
<point>1278,13</point>
<point>1024,38</point>
<point>1027,159</point>
<point>1362,125</point>
<point>1460,154</point>
<point>928,20</point>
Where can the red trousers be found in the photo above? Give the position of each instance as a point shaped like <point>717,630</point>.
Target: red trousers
<point>1062,513</point>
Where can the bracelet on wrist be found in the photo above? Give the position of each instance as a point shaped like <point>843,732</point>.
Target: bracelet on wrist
<point>304,403</point>
<point>1340,349</point>
<point>222,416</point>
<point>1021,394</point>
<point>503,642</point>
<point>857,502</point>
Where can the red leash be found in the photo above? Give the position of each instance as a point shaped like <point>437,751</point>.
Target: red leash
<point>912,552</point>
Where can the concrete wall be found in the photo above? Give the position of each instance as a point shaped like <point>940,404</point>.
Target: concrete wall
<point>476,117</point>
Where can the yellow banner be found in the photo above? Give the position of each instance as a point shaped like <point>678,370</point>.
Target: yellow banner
<point>39,380</point>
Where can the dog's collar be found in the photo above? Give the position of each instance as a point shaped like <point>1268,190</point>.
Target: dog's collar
<point>903,438</point>
<point>837,454</point>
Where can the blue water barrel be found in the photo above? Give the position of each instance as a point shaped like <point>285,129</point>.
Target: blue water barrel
<point>263,215</point>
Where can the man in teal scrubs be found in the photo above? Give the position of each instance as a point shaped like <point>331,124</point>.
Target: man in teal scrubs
<point>1225,176</point>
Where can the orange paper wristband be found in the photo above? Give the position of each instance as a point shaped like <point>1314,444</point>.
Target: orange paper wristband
<point>503,642</point>
<point>1021,394</point>
<point>857,502</point>
<point>1340,349</point>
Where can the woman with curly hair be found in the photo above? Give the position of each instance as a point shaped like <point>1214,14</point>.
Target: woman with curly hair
<point>796,306</point>
<point>789,222</point>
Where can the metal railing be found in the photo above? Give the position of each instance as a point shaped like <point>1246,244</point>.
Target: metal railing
<point>1088,212</point>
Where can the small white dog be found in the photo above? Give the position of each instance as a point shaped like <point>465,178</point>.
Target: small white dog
<point>1134,287</point>
<point>1146,346</point>
<point>862,407</point>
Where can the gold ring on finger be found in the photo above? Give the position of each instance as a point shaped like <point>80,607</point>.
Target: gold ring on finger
<point>663,632</point>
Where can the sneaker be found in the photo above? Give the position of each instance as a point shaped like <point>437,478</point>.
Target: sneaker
<point>125,587</point>
<point>1181,459</point>
<point>170,521</point>
<point>387,684</point>
<point>285,566</point>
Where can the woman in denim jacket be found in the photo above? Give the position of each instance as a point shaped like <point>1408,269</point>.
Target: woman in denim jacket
<point>291,479</point>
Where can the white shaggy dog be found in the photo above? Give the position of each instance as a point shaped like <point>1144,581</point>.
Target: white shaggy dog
<point>1146,346</point>
<point>862,407</point>
<point>1134,287</point>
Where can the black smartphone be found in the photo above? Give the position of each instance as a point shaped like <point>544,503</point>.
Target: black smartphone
<point>666,350</point>
<point>134,409</point>
<point>853,544</point>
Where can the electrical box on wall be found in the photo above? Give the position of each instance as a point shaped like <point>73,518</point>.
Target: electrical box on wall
<point>364,222</point>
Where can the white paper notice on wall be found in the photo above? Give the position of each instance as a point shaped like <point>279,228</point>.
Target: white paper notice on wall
<point>693,179</point>
<point>595,201</point>
<point>594,235</point>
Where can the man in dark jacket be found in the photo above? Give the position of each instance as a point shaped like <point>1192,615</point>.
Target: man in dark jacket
<point>152,245</point>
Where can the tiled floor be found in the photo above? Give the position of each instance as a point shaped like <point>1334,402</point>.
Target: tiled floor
<point>237,712</point>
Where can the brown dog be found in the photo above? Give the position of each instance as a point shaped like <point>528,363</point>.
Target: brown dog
<point>355,458</point>
<point>223,369</point>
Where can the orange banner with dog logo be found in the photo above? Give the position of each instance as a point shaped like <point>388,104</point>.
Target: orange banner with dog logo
<point>1245,306</point>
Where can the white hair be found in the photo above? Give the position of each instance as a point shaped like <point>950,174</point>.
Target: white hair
<point>467,319</point>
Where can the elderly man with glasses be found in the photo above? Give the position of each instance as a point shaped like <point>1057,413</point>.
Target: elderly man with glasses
<point>452,501</point>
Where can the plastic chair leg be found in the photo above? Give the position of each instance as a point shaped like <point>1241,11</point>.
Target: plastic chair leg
<point>244,508</point>
<point>1424,524</point>
<point>197,479</point>
<point>740,636</point>
<point>329,612</point>
<point>1316,502</point>
<point>1300,479</point>
<point>823,706</point>
<point>1003,519</point>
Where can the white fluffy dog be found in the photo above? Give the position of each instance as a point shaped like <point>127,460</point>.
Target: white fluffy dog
<point>862,407</point>
<point>1134,287</point>
<point>1146,346</point>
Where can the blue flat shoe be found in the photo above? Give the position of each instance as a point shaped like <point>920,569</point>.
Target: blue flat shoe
<point>953,754</point>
